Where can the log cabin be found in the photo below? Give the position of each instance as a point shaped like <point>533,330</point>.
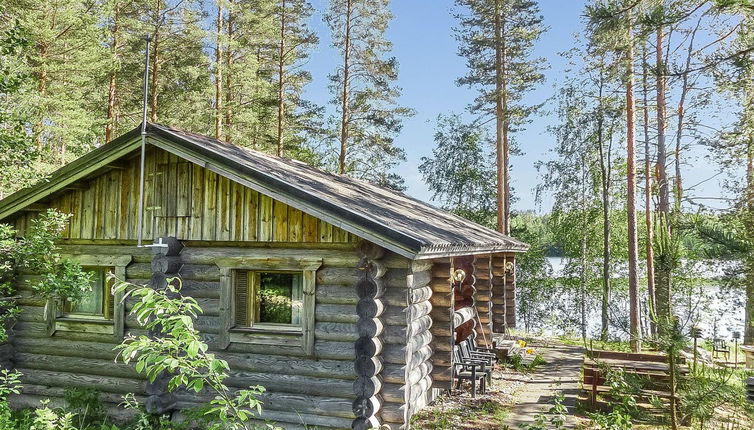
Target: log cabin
<point>336,295</point>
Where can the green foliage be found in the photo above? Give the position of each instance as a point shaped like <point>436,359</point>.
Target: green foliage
<point>16,150</point>
<point>86,406</point>
<point>522,24</point>
<point>554,419</point>
<point>457,173</point>
<point>37,252</point>
<point>712,390</point>
<point>46,418</point>
<point>368,116</point>
<point>178,352</point>
<point>613,420</point>
<point>9,384</point>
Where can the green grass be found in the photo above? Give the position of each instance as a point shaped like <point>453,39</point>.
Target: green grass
<point>611,345</point>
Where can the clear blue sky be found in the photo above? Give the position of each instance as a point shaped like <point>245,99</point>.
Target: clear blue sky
<point>426,49</point>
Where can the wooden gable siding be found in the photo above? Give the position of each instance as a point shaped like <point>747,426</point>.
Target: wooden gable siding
<point>183,200</point>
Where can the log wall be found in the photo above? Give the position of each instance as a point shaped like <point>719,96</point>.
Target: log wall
<point>483,296</point>
<point>503,292</point>
<point>183,200</point>
<point>318,390</point>
<point>442,301</point>
<point>407,358</point>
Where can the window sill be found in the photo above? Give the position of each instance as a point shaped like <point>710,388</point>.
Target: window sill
<point>268,329</point>
<point>84,325</point>
<point>279,336</point>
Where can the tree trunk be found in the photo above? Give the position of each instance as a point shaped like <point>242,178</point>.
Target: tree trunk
<point>648,205</point>
<point>605,173</point>
<point>219,75</point>
<point>685,87</point>
<point>111,84</point>
<point>345,109</point>
<point>42,91</point>
<point>229,74</point>
<point>500,127</point>
<point>584,230</point>
<point>662,272</point>
<point>281,82</point>
<point>633,286</point>
<point>749,215</point>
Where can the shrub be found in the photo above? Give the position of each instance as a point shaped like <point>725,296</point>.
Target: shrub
<point>178,351</point>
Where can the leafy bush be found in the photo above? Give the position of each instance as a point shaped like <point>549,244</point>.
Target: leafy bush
<point>9,384</point>
<point>37,252</point>
<point>177,351</point>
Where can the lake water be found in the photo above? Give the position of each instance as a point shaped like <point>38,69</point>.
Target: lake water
<point>706,302</point>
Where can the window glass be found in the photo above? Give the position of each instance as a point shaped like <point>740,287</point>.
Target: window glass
<point>279,298</point>
<point>93,303</point>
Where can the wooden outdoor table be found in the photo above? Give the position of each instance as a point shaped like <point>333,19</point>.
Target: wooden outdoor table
<point>749,351</point>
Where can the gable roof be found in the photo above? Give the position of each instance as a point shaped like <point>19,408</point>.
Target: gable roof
<point>388,218</point>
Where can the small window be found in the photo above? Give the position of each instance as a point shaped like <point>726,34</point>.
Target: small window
<point>97,303</point>
<point>268,298</point>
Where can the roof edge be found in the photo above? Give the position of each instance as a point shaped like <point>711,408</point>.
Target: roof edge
<point>71,172</point>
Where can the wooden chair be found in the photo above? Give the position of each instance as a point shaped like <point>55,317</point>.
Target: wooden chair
<point>474,348</point>
<point>469,352</point>
<point>720,346</point>
<point>486,361</point>
<point>468,371</point>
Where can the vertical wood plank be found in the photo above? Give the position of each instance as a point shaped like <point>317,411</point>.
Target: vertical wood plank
<point>87,212</point>
<point>295,225</point>
<point>161,194</point>
<point>112,205</point>
<point>65,207</point>
<point>183,202</point>
<point>251,215</point>
<point>183,181</point>
<point>311,229</point>
<point>280,215</point>
<point>124,221</point>
<point>325,231</point>
<point>237,211</point>
<point>77,214</point>
<point>265,218</point>
<point>209,224</point>
<point>98,201</point>
<point>223,205</point>
<point>150,176</point>
<point>197,201</point>
<point>171,186</point>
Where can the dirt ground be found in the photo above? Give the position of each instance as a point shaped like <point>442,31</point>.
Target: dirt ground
<point>488,411</point>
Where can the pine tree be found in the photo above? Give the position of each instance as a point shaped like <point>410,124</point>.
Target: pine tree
<point>501,33</point>
<point>17,151</point>
<point>179,80</point>
<point>64,60</point>
<point>294,115</point>
<point>248,101</point>
<point>613,25</point>
<point>736,146</point>
<point>364,91</point>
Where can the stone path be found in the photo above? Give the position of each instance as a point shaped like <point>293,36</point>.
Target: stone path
<point>560,373</point>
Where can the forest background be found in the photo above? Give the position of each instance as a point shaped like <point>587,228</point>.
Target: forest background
<point>403,94</point>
